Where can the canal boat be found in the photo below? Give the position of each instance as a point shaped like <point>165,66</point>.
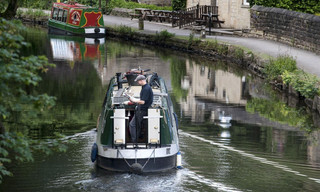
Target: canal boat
<point>157,148</point>
<point>75,19</point>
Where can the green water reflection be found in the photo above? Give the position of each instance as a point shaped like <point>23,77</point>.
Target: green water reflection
<point>74,82</point>
<point>262,148</point>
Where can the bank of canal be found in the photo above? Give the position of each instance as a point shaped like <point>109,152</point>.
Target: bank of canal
<point>261,150</point>
<point>230,49</point>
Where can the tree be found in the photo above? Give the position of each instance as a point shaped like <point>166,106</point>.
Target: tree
<point>11,9</point>
<point>179,5</point>
<point>18,98</point>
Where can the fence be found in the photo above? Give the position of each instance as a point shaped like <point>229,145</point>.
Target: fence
<point>190,15</point>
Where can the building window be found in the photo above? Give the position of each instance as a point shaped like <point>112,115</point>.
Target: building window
<point>246,2</point>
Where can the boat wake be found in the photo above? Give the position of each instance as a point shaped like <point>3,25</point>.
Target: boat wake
<point>214,185</point>
<point>254,157</point>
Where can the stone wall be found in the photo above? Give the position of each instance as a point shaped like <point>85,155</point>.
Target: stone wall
<point>294,28</point>
<point>157,2</point>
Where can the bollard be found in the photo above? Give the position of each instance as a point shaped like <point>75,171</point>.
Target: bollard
<point>141,24</point>
<point>203,32</point>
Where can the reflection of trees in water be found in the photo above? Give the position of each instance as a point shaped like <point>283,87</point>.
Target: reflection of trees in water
<point>178,71</point>
<point>279,111</point>
<point>79,96</point>
<point>38,39</point>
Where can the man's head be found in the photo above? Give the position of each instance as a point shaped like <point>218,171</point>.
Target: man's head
<point>141,79</point>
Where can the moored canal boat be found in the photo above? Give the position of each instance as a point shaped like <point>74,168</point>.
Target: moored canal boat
<point>75,19</point>
<point>157,148</point>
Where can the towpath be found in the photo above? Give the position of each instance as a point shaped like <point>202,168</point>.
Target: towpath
<point>306,60</point>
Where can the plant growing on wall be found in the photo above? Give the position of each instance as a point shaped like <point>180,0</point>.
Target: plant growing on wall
<point>306,6</point>
<point>275,68</point>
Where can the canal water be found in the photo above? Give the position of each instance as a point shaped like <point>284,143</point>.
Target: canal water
<point>270,144</point>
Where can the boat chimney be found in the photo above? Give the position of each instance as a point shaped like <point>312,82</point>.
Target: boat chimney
<point>119,80</point>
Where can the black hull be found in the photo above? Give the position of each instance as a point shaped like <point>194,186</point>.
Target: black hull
<point>153,165</point>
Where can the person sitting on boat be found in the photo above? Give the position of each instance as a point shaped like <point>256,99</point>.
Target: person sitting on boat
<point>145,101</point>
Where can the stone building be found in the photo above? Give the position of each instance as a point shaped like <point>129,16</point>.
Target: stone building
<point>235,13</point>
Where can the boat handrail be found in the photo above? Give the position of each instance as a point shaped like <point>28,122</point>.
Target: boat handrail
<point>113,117</point>
<point>161,94</point>
<point>152,117</point>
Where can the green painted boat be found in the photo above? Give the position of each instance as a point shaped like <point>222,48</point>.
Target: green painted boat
<point>157,147</point>
<point>76,19</point>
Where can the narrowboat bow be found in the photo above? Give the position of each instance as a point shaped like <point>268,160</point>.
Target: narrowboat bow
<point>75,19</point>
<point>157,148</point>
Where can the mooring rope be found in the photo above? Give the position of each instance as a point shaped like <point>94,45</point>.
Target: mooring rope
<point>148,159</point>
<point>153,152</point>
<point>124,158</point>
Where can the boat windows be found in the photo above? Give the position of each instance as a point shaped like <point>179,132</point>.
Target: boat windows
<point>55,13</point>
<point>64,17</point>
<point>60,15</point>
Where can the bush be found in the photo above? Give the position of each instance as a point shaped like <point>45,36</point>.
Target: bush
<point>222,49</point>
<point>19,13</point>
<point>190,41</point>
<point>38,4</point>
<point>164,36</point>
<point>132,5</point>
<point>275,68</point>
<point>30,13</point>
<point>39,13</point>
<point>306,84</point>
<point>212,44</point>
<point>125,30</point>
<point>239,53</point>
<point>306,6</point>
<point>179,4</point>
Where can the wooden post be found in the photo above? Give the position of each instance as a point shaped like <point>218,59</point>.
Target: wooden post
<point>197,12</point>
<point>180,19</point>
<point>203,32</point>
<point>210,21</point>
<point>141,24</point>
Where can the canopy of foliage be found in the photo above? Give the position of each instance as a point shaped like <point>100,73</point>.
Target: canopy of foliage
<point>305,6</point>
<point>18,98</point>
